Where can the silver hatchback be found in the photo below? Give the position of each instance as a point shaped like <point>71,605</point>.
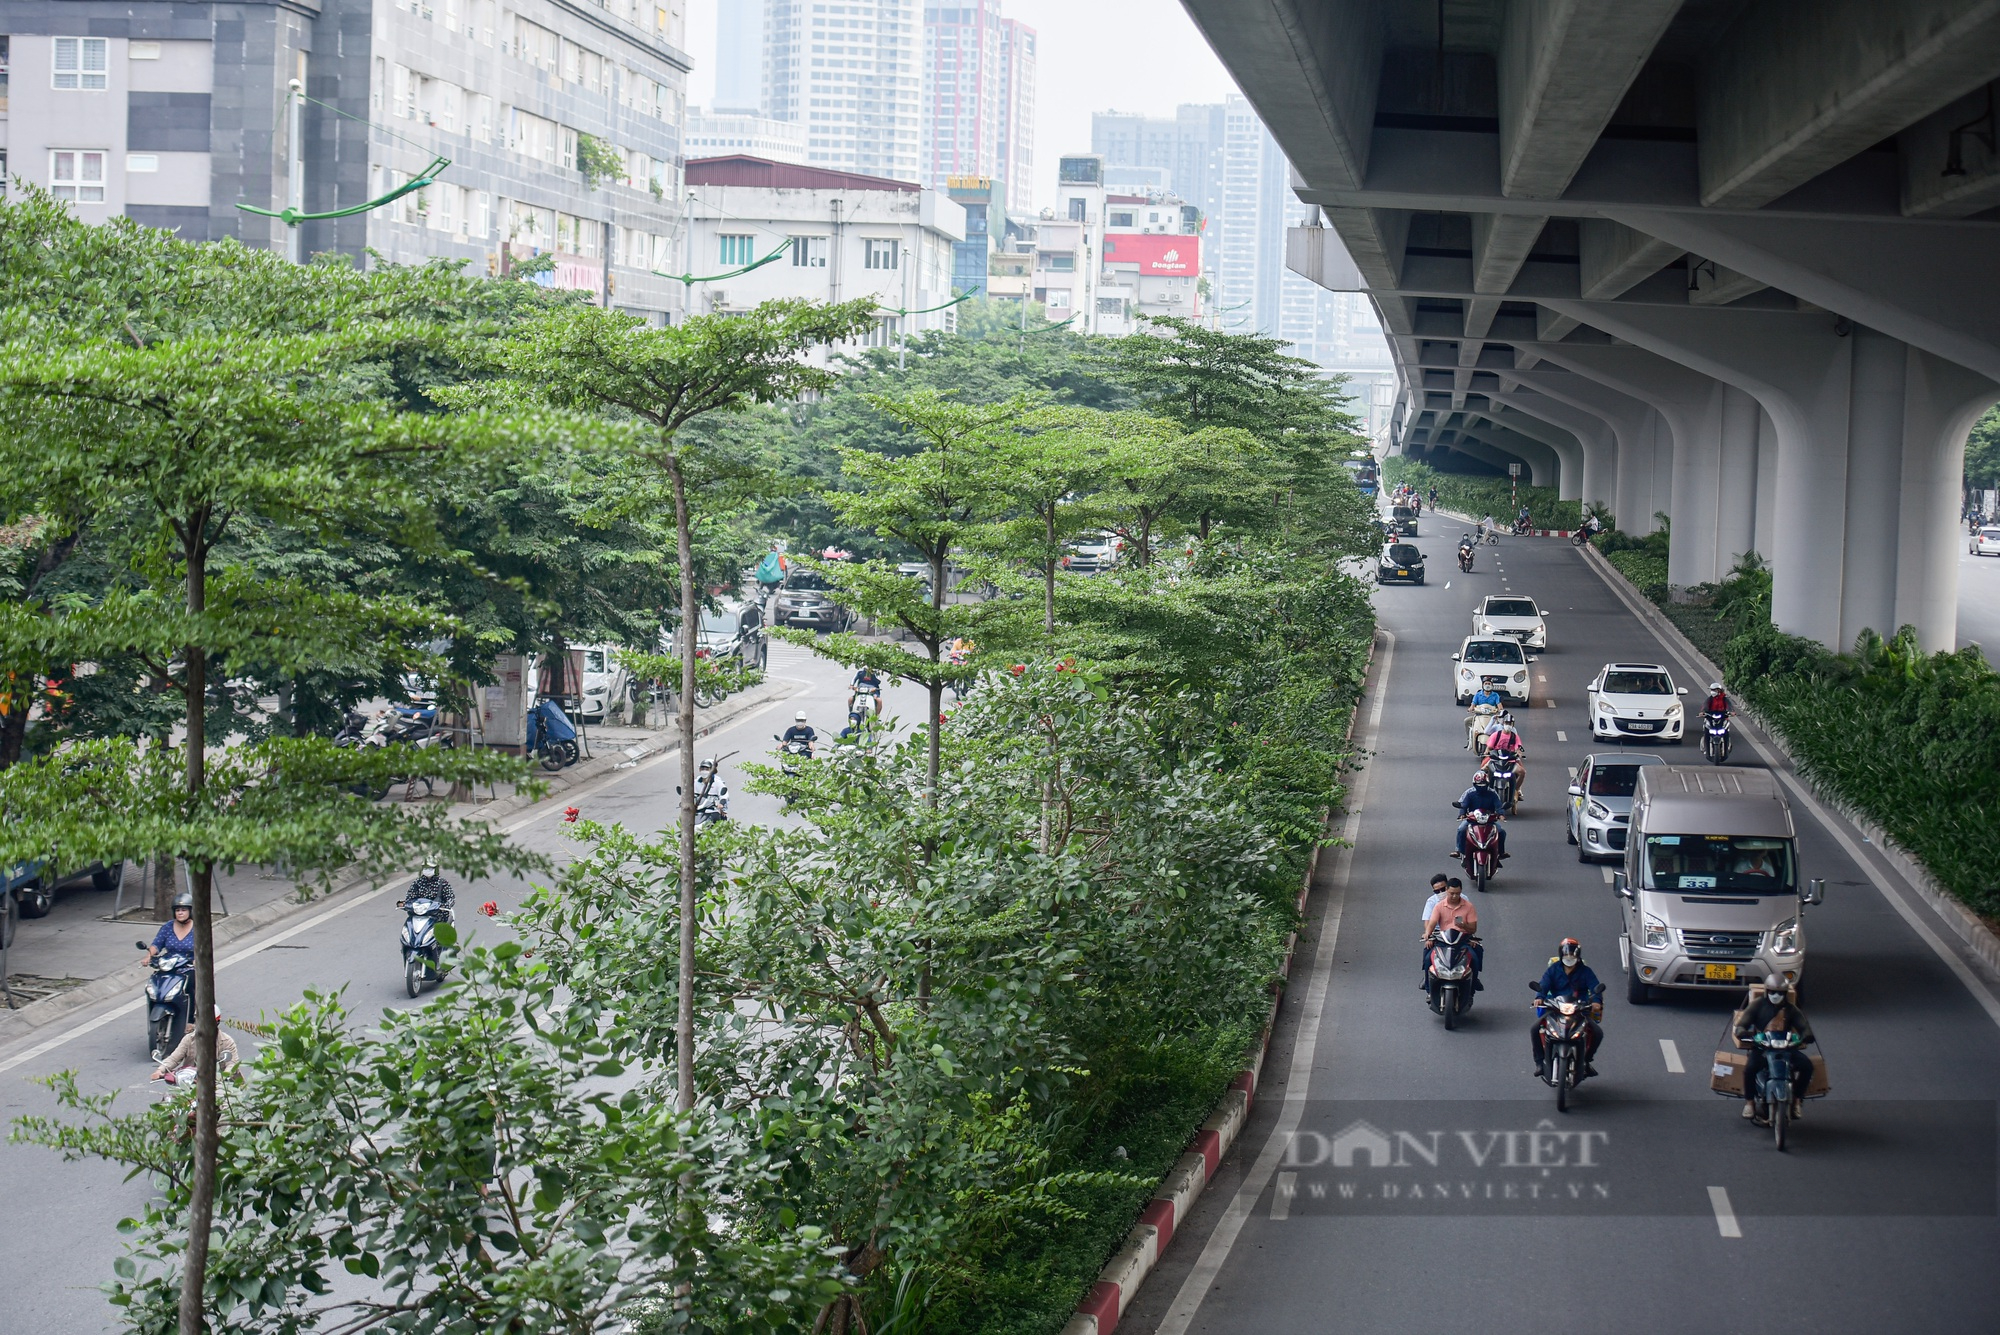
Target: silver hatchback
<point>1600,803</point>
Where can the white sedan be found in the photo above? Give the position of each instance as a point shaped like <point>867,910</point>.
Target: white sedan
<point>1497,661</point>
<point>1509,614</point>
<point>1986,542</point>
<point>1638,701</point>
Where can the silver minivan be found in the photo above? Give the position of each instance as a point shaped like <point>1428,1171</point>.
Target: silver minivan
<point>1711,896</point>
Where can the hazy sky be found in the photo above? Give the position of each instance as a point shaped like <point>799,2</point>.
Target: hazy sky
<point>1134,55</point>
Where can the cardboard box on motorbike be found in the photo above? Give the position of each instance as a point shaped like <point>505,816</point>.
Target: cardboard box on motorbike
<point>1726,1074</point>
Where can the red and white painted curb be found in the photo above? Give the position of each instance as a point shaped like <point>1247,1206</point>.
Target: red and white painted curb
<point>1118,1283</point>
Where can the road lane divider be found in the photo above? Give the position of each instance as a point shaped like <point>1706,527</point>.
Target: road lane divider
<point>1672,1054</point>
<point>1725,1214</point>
<point>1281,1195</point>
<point>1562,736</point>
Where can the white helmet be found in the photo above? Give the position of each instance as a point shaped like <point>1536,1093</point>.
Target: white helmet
<point>799,717</point>
<point>1715,686</point>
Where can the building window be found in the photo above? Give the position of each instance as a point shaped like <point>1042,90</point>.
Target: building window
<point>885,332</point>
<point>736,249</point>
<point>878,254</point>
<point>1124,219</point>
<point>77,174</point>
<point>1060,261</point>
<point>808,252</point>
<point>1076,210</point>
<point>81,62</point>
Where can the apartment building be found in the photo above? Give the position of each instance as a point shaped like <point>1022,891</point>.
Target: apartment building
<point>838,235</point>
<point>714,134</point>
<point>848,73</point>
<point>561,123</point>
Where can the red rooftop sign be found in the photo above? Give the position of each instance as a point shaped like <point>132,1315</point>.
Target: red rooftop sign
<point>1154,253</point>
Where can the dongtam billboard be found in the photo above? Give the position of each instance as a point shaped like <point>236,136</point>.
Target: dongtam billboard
<point>1154,253</point>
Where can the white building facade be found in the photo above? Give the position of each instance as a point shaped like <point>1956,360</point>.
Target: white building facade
<point>838,236</point>
<point>849,74</point>
<point>720,133</point>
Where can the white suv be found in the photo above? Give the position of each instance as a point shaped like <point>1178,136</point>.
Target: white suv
<point>1498,661</point>
<point>1635,700</point>
<point>1510,614</point>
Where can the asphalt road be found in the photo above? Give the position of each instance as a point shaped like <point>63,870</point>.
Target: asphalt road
<point>1979,603</point>
<point>1650,1204</point>
<point>63,1216</point>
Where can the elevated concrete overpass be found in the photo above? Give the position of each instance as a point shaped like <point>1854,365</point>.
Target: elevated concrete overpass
<point>1732,261</point>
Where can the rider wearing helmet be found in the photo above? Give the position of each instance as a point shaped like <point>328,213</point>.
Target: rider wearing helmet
<point>1480,797</point>
<point>1570,978</point>
<point>1771,1009</point>
<point>430,885</point>
<point>1503,740</point>
<point>1718,700</point>
<point>177,936</point>
<point>178,1066</point>
<point>800,731</point>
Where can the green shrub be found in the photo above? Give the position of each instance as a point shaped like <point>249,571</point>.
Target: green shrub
<point>1907,740</point>
<point>1480,496</point>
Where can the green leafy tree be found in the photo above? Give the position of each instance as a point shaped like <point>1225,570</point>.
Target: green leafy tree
<point>655,382</point>
<point>1982,453</point>
<point>223,406</point>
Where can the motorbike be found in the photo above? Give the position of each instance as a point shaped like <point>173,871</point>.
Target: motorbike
<point>421,917</point>
<point>866,699</point>
<point>1715,738</point>
<point>1482,847</point>
<point>552,736</point>
<point>1523,527</point>
<point>1504,771</point>
<point>1775,1089</point>
<point>1450,980</point>
<point>711,795</point>
<point>1465,555</point>
<point>1476,724</point>
<point>792,753</point>
<point>1581,537</point>
<point>169,1001</point>
<point>1565,1029</point>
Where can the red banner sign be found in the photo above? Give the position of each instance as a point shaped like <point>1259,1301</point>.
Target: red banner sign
<point>1154,253</point>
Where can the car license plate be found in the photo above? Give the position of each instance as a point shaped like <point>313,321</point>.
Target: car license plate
<point>1402,572</point>
<point>1640,727</point>
<point>1719,973</point>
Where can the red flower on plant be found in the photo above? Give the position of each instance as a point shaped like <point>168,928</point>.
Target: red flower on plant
<point>1018,669</point>
<point>944,718</point>
<point>490,909</point>
<point>570,814</point>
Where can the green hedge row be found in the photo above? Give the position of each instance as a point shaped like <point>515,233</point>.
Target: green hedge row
<point>1479,496</point>
<point>1909,740</point>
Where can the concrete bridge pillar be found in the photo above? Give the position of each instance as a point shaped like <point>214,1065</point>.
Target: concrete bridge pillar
<point>1597,472</point>
<point>1942,401</point>
<point>1736,489</point>
<point>1767,483</point>
<point>1874,485</point>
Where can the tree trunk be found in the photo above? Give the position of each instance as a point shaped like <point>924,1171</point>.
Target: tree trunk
<point>936,685</point>
<point>690,632</point>
<point>163,888</point>
<point>1049,573</point>
<point>13,731</point>
<point>201,1194</point>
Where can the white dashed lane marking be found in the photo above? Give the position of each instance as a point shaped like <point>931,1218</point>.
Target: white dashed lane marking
<point>1725,1214</point>
<point>1672,1055</point>
<point>1561,736</point>
<point>1608,873</point>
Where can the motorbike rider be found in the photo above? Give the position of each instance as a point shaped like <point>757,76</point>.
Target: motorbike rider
<point>1524,519</point>
<point>1718,700</point>
<point>866,677</point>
<point>1455,910</point>
<point>177,1067</point>
<point>1476,723</point>
<point>175,937</point>
<point>1439,883</point>
<point>1503,740</point>
<point>1570,978</point>
<point>1481,797</point>
<point>430,885</point>
<point>1770,1009</point>
<point>800,731</point>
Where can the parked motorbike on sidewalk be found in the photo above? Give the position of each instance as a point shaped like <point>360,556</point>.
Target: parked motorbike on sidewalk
<point>551,736</point>
<point>421,918</point>
<point>169,1001</point>
<point>1481,858</point>
<point>1565,1029</point>
<point>1715,738</point>
<point>1450,980</point>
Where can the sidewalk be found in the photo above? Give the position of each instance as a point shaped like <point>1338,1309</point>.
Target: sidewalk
<point>79,954</point>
